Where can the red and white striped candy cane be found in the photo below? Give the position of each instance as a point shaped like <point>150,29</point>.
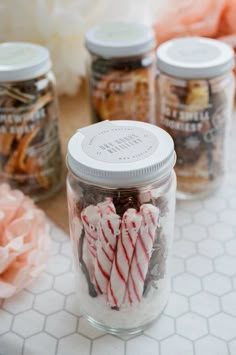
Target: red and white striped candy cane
<point>90,217</point>
<point>131,223</point>
<point>142,253</point>
<point>106,246</point>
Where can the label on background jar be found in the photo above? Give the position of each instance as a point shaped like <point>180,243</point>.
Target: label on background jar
<point>195,112</point>
<point>118,144</point>
<point>123,94</point>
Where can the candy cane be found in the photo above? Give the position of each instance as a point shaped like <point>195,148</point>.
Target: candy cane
<point>90,217</point>
<point>131,223</point>
<point>106,246</point>
<point>142,253</point>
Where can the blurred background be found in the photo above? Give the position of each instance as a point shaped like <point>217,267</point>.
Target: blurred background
<point>60,25</point>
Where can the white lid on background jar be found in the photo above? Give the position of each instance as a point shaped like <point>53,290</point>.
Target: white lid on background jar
<point>22,61</point>
<point>120,39</point>
<point>120,153</point>
<point>195,58</point>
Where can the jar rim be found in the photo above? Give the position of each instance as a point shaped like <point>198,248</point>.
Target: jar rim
<point>119,39</point>
<point>23,61</point>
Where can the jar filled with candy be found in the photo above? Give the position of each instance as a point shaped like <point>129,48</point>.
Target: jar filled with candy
<point>30,157</point>
<point>121,197</point>
<point>195,102</point>
<point>121,72</point>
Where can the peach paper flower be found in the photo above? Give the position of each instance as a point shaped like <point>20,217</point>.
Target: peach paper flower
<point>24,241</point>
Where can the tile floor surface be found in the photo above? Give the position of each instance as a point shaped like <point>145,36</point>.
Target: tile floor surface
<point>200,318</point>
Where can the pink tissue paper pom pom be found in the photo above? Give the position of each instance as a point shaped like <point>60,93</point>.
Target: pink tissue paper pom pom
<point>24,241</point>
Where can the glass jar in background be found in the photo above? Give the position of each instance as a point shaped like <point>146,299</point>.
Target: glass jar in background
<point>195,102</point>
<point>30,156</point>
<point>121,72</point>
<point>121,196</point>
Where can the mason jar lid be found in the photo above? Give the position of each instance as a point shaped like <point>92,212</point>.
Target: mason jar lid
<point>120,153</point>
<point>22,61</point>
<point>120,39</point>
<point>194,58</point>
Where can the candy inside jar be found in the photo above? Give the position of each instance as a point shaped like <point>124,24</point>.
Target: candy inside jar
<point>121,228</point>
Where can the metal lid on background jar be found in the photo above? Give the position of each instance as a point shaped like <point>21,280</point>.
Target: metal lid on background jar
<point>120,39</point>
<point>120,153</point>
<point>22,61</point>
<point>195,58</point>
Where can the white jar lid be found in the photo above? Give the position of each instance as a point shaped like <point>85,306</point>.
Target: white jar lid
<point>120,39</point>
<point>194,57</point>
<point>22,61</point>
<point>120,153</point>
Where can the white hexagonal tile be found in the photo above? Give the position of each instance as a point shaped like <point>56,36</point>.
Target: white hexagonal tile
<point>190,206</point>
<point>11,344</point>
<point>19,303</point>
<point>226,265</point>
<point>176,345</point>
<point>228,217</point>
<point>205,304</point>
<point>49,302</point>
<point>66,249</point>
<point>215,204</point>
<point>210,345</point>
<point>184,248</point>
<point>162,328</point>
<point>28,323</point>
<point>176,306</point>
<point>43,283</point>
<point>65,283</point>
<point>61,324</point>
<point>74,344</point>
<point>54,247</point>
<point>232,202</point>
<point>231,247</point>
<point>191,325</point>
<point>232,347</point>
<point>57,234</point>
<point>221,231</point>
<point>186,284</point>
<point>176,266</point>
<point>85,328</point>
<point>5,321</point>
<point>216,284</point>
<point>182,218</point>
<point>194,232</point>
<point>40,344</point>
<point>58,264</point>
<point>139,346</point>
<point>229,303</point>
<point>108,345</point>
<point>72,305</point>
<point>205,218</point>
<point>210,248</point>
<point>199,265</point>
<point>223,326</point>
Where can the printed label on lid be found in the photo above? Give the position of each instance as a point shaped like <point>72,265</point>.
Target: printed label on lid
<point>112,143</point>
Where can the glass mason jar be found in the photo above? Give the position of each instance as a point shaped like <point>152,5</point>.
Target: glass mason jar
<point>121,196</point>
<point>30,157</point>
<point>195,91</point>
<point>121,72</point>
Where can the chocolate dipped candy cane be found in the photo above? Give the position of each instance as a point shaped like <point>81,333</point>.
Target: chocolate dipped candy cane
<point>142,253</point>
<point>131,223</point>
<point>109,229</point>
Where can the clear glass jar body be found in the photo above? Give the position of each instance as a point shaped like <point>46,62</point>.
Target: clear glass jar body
<point>30,156</point>
<point>122,88</point>
<point>197,113</point>
<point>121,241</point>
